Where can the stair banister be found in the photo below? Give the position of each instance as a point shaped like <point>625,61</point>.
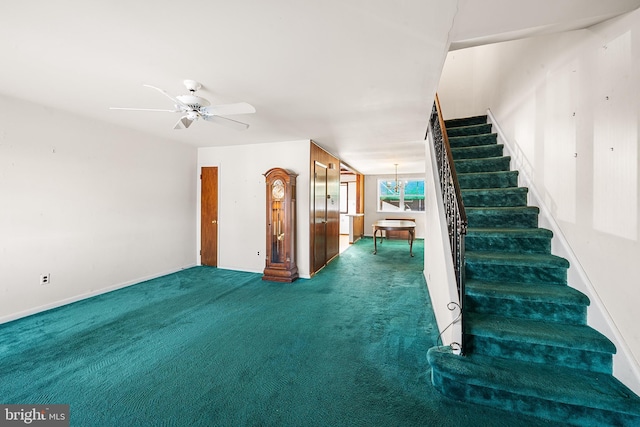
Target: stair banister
<point>453,205</point>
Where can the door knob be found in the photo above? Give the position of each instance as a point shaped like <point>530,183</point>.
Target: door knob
<point>214,222</point>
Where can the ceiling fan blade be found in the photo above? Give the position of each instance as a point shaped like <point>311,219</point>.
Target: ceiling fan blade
<point>226,122</point>
<point>186,122</point>
<point>175,100</point>
<point>183,123</point>
<point>228,109</point>
<point>143,109</point>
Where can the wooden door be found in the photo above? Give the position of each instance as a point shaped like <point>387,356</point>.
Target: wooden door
<point>209,217</point>
<point>320,216</point>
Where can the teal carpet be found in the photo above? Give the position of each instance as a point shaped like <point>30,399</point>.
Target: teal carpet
<point>211,347</point>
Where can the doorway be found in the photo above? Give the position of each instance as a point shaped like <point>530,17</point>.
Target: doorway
<point>209,216</point>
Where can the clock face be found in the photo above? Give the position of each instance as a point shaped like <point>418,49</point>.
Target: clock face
<point>277,189</point>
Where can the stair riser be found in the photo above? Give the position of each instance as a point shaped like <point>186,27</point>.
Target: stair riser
<point>481,152</point>
<point>539,353</point>
<point>467,121</point>
<point>532,245</point>
<point>563,413</point>
<point>503,199</point>
<point>496,164</point>
<point>492,272</point>
<point>522,219</point>
<point>469,130</point>
<point>473,140</point>
<point>524,309</point>
<point>488,180</point>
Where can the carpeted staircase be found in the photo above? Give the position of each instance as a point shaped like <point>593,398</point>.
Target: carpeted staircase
<point>529,348</point>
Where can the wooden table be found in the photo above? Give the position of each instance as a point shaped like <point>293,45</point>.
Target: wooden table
<point>396,225</point>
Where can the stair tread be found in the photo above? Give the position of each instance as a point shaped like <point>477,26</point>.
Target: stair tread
<point>477,140</point>
<point>523,291</point>
<point>531,239</point>
<point>510,232</point>
<point>475,147</point>
<point>495,190</point>
<point>538,332</point>
<point>516,258</point>
<point>549,382</point>
<point>470,126</point>
<point>481,159</point>
<point>503,208</point>
<point>451,123</point>
<point>509,172</point>
<point>487,164</point>
<point>471,136</point>
<point>482,180</point>
<point>480,152</point>
<point>498,196</point>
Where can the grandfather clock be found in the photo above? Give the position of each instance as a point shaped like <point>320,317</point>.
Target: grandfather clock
<point>280,265</point>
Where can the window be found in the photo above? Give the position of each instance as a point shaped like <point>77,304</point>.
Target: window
<point>406,195</point>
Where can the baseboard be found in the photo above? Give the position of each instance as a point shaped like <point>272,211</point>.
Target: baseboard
<point>66,301</point>
<point>626,368</point>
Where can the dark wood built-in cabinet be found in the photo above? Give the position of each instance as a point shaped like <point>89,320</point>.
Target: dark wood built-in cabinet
<point>324,218</point>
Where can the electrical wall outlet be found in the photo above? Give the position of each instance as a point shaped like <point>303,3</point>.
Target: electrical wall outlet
<point>45,279</point>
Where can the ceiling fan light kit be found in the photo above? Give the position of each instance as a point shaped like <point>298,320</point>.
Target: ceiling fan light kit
<point>193,101</point>
<point>193,107</point>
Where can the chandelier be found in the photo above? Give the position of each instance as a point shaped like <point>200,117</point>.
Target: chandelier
<point>398,184</point>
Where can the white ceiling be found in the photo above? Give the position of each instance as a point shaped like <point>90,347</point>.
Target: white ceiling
<point>356,76</point>
<point>490,21</point>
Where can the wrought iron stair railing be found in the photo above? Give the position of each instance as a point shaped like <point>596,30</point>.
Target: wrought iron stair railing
<point>453,206</point>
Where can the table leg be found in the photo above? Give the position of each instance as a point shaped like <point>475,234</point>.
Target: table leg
<point>375,245</point>
<point>411,237</point>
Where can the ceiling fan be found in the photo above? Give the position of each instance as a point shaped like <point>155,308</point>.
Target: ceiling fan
<point>193,107</point>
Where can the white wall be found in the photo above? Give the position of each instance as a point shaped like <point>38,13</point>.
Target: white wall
<point>242,198</point>
<point>439,271</point>
<point>95,206</point>
<point>371,213</point>
<point>569,103</point>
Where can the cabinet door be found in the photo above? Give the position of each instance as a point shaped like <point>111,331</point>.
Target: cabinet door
<point>320,216</point>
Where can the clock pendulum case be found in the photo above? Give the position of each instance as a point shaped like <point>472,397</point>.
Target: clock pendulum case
<point>280,265</point>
